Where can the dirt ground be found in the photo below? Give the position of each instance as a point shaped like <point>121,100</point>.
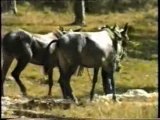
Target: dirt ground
<point>21,107</point>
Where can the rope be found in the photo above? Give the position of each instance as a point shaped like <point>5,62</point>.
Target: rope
<point>88,74</point>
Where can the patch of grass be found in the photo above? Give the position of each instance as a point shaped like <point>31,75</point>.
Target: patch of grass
<point>104,110</point>
<point>137,74</point>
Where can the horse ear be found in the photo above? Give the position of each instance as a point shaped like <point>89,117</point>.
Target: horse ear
<point>114,26</point>
<point>126,28</point>
<point>61,28</point>
<point>58,33</point>
<point>107,26</point>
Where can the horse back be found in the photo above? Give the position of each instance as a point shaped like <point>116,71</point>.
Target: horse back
<point>14,42</point>
<point>88,49</point>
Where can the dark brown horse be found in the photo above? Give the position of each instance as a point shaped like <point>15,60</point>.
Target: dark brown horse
<point>26,48</point>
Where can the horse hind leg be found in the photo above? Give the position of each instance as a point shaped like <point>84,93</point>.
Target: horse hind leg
<point>65,83</point>
<point>50,82</point>
<point>6,62</point>
<point>70,94</point>
<point>94,83</point>
<point>21,64</point>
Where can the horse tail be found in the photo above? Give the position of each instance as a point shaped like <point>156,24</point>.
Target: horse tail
<point>5,43</point>
<point>47,60</point>
<point>53,41</point>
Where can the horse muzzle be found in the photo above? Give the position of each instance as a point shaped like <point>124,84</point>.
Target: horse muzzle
<point>118,68</point>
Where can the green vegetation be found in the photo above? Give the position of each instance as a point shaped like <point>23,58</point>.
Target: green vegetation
<point>139,68</point>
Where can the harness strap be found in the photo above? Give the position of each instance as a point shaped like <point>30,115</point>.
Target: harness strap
<point>88,74</point>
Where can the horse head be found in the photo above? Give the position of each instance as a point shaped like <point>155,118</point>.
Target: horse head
<point>121,44</point>
<point>125,39</point>
<point>115,34</point>
<point>125,36</point>
<point>120,39</point>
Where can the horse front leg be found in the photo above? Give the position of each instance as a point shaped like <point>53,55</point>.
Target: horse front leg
<point>111,77</point>
<point>108,83</point>
<point>94,81</point>
<point>107,87</point>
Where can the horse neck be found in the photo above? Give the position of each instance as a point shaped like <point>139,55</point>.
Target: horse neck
<point>110,33</point>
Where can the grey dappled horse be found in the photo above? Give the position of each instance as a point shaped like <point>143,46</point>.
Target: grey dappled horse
<point>25,48</point>
<point>125,39</point>
<point>121,53</point>
<point>89,49</point>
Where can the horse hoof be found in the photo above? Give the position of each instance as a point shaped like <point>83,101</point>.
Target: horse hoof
<point>49,96</point>
<point>115,101</point>
<point>75,100</point>
<point>91,99</point>
<point>24,94</point>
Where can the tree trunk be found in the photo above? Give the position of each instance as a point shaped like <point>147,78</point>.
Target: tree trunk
<point>79,11</point>
<point>14,6</point>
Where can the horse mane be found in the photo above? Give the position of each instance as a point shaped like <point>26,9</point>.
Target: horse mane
<point>58,33</point>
